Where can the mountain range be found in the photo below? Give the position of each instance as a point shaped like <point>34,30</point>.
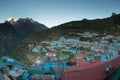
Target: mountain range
<point>14,30</point>
<point>109,25</point>
<point>17,33</point>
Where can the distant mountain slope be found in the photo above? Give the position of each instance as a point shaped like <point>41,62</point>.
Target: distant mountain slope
<point>15,30</point>
<point>25,26</point>
<point>96,24</point>
<point>110,25</point>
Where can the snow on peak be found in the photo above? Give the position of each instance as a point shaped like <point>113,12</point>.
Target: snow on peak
<point>12,19</point>
<point>8,19</point>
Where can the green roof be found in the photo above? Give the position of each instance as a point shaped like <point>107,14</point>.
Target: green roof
<point>3,64</point>
<point>116,75</point>
<point>35,71</point>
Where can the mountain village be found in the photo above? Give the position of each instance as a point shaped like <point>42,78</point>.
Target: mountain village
<point>56,55</point>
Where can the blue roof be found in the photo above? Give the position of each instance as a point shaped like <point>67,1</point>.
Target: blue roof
<point>10,60</point>
<point>74,51</point>
<point>103,57</point>
<point>65,64</point>
<point>26,76</point>
<point>52,59</point>
<point>35,66</point>
<point>46,65</point>
<point>49,64</point>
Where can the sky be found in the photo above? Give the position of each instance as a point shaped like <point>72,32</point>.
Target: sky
<point>56,12</point>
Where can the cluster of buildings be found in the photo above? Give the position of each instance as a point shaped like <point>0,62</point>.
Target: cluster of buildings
<point>74,50</point>
<point>59,54</point>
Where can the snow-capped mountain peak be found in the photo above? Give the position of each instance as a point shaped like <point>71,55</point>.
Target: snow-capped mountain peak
<point>12,20</point>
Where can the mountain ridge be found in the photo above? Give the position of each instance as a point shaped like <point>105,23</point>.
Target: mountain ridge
<point>13,33</point>
<point>110,26</point>
<point>85,23</point>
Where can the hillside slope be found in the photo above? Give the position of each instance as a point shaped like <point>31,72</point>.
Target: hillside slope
<point>14,31</point>
<point>110,25</point>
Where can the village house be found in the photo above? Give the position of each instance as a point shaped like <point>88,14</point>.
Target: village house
<point>50,48</point>
<point>80,56</point>
<point>63,57</point>
<point>51,54</point>
<point>62,40</point>
<point>37,49</point>
<point>45,42</point>
<point>100,50</point>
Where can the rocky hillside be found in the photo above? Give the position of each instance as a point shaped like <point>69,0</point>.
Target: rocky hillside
<point>15,30</point>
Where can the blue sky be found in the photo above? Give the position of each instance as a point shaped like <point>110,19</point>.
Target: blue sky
<point>55,12</point>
